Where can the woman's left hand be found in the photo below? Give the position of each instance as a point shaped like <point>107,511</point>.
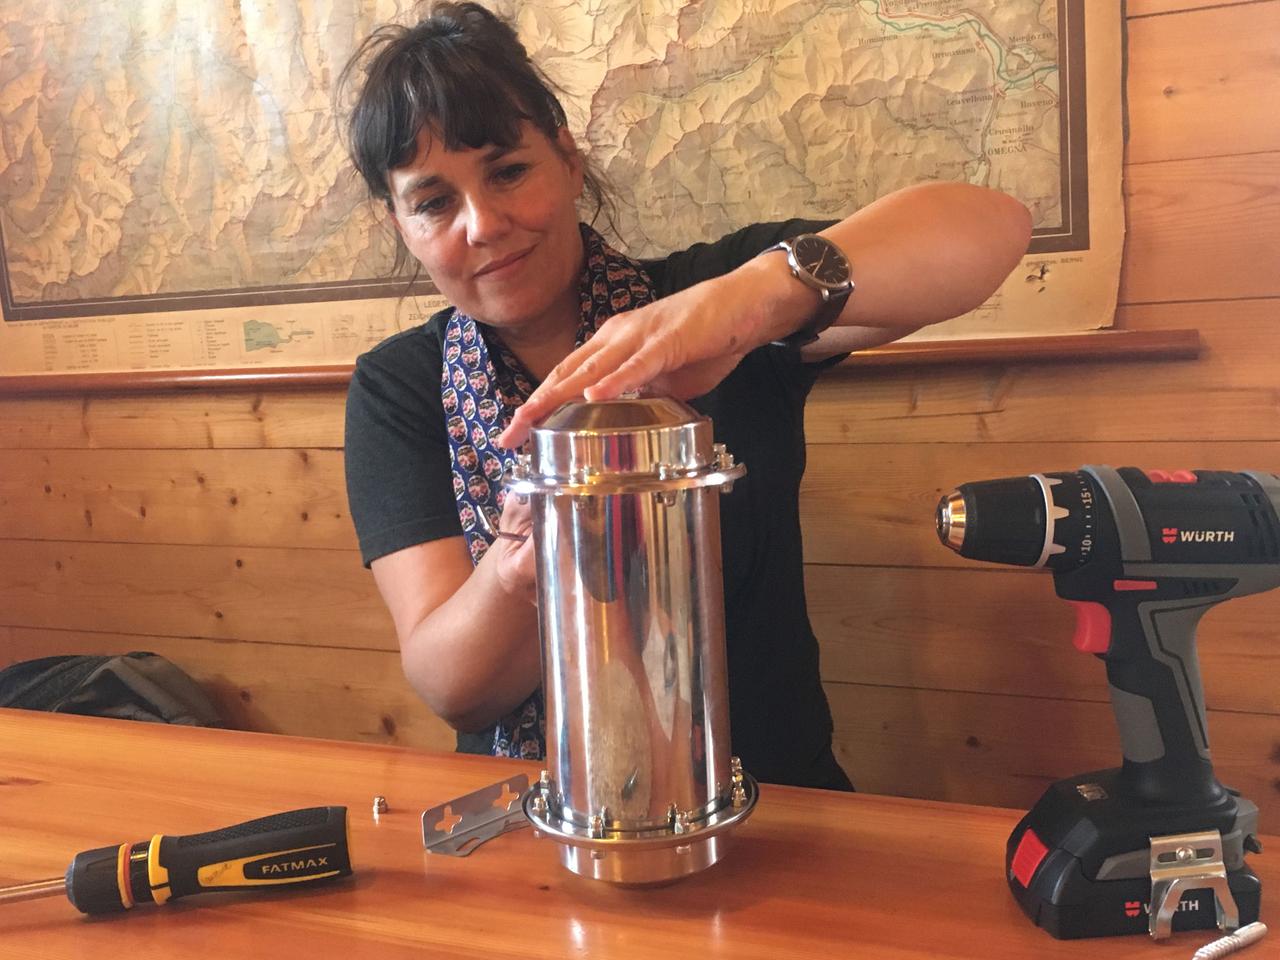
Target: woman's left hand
<point>681,346</point>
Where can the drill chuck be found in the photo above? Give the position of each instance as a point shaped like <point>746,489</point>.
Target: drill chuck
<point>951,520</point>
<point>1031,521</point>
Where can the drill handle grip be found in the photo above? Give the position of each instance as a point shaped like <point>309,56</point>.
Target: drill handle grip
<point>1158,701</point>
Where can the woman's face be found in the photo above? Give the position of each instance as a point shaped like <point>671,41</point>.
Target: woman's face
<point>496,229</point>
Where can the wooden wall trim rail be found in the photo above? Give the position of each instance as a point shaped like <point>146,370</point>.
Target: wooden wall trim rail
<point>1092,345</point>
<point>145,381</point>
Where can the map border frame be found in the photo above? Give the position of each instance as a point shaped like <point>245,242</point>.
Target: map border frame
<point>1071,235</point>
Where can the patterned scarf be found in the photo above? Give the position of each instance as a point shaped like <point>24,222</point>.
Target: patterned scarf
<point>482,384</point>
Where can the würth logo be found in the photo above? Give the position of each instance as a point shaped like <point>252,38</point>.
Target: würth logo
<point>1134,908</point>
<point>1169,534</point>
<point>1206,536</point>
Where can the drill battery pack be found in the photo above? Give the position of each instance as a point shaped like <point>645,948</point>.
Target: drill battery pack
<point>1079,862</point>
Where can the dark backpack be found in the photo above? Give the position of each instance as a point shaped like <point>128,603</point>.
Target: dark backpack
<point>132,686</point>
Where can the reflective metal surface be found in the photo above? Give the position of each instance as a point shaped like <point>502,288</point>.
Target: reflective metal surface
<point>626,529</point>
<point>634,857</point>
<point>951,520</point>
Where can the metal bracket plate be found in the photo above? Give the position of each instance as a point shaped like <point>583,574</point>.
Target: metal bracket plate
<point>1188,861</point>
<point>457,827</point>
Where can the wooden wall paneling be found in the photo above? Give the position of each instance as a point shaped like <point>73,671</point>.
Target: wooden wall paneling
<point>272,688</point>
<point>1004,750</point>
<point>1196,83</point>
<point>1229,394</point>
<point>175,420</point>
<point>985,630</point>
<point>321,598</point>
<point>277,498</point>
<point>897,487</point>
<point>1149,8</point>
<point>1204,229</point>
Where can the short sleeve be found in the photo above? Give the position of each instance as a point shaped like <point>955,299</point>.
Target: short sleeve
<point>399,480</point>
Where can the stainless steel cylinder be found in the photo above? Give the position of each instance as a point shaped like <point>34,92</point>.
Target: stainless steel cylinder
<point>640,786</point>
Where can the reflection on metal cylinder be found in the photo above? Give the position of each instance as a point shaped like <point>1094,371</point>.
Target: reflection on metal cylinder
<point>640,786</point>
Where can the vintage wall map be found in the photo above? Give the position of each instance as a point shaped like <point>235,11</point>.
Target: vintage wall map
<point>173,193</point>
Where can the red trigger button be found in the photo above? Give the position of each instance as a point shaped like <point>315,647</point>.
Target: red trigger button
<point>1093,627</point>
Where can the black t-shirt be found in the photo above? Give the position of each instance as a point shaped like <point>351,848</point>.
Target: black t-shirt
<point>400,490</point>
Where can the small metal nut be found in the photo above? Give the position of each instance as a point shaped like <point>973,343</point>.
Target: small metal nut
<point>379,806</point>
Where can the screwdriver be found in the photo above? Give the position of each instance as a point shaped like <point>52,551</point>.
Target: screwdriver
<point>286,849</point>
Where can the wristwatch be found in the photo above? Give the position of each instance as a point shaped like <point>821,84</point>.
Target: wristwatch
<point>820,265</point>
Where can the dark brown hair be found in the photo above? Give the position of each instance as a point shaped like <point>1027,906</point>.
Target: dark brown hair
<point>462,72</point>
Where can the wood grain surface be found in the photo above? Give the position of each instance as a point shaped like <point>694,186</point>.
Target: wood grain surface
<point>1197,83</point>
<point>811,875</point>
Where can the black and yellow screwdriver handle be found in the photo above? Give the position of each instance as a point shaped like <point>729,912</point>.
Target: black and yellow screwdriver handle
<point>285,849</point>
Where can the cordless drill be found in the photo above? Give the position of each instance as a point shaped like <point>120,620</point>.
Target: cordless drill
<point>1141,556</point>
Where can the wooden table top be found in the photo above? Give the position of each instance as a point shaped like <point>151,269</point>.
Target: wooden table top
<point>813,874</point>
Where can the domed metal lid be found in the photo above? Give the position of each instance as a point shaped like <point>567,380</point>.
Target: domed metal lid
<point>631,443</point>
<point>621,415</point>
<point>626,435</point>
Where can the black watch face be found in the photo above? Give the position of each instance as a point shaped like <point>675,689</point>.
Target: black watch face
<point>821,260</point>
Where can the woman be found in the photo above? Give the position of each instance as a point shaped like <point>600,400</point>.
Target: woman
<point>463,141</point>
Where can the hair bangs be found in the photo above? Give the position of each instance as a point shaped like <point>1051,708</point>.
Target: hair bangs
<point>466,103</point>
